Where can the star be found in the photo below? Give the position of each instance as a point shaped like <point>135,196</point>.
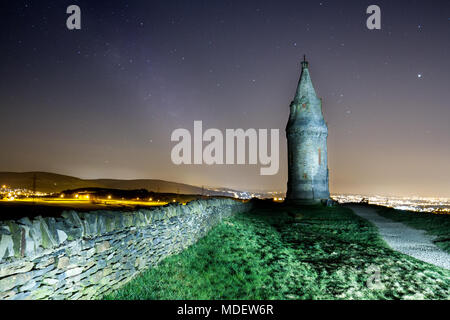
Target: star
<point>419,75</point>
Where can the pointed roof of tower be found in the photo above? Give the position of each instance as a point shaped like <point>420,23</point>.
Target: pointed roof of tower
<point>305,87</point>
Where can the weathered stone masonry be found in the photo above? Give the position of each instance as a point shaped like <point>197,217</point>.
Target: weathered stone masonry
<point>307,133</point>
<point>86,255</point>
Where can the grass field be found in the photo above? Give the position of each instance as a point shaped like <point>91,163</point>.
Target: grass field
<point>285,253</point>
<point>437,225</point>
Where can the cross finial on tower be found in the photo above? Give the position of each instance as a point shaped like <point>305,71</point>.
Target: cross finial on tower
<point>304,62</point>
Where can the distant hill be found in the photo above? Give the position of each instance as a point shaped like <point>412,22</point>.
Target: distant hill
<point>52,182</point>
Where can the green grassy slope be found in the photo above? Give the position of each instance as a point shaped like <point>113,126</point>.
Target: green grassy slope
<point>286,253</point>
<point>437,225</point>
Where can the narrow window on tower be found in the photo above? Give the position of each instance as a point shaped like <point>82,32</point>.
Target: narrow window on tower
<point>320,156</point>
<point>304,106</point>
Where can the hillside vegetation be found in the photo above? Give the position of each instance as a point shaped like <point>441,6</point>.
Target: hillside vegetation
<point>290,253</point>
<point>52,182</point>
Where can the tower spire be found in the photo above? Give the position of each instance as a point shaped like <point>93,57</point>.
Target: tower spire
<point>304,62</point>
<point>305,87</point>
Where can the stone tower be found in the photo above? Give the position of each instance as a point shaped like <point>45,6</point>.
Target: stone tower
<point>307,134</point>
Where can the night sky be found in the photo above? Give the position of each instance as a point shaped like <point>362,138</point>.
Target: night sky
<point>103,101</point>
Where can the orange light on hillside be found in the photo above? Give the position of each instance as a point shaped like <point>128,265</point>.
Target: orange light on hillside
<point>109,197</point>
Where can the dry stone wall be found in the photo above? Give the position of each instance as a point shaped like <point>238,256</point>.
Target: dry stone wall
<point>86,255</point>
